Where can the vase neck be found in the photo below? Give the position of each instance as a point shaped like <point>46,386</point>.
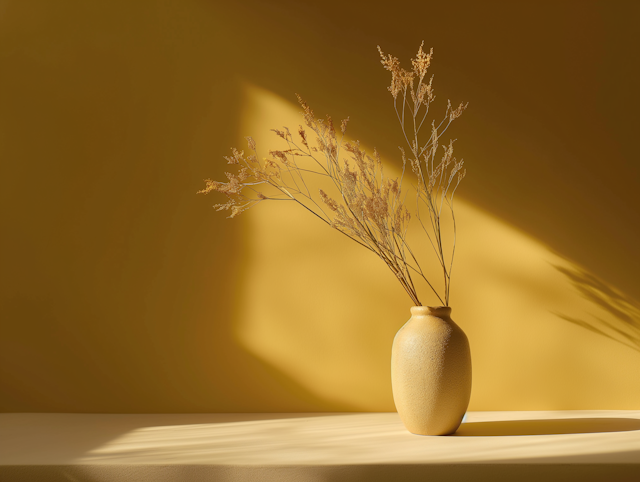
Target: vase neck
<point>438,311</point>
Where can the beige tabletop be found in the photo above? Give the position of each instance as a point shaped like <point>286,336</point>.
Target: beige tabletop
<point>563,445</point>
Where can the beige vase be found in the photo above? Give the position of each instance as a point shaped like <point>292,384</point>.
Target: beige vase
<point>431,372</point>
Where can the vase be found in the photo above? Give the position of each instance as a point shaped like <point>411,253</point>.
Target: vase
<point>431,372</point>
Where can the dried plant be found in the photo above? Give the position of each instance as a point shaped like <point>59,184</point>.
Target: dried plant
<point>356,198</point>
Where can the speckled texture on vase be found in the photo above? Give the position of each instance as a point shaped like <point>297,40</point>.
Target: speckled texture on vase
<point>431,372</point>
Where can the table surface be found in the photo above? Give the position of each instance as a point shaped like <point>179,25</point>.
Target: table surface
<point>585,446</point>
<point>562,437</point>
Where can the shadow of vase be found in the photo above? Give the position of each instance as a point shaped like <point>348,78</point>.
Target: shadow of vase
<point>508,428</point>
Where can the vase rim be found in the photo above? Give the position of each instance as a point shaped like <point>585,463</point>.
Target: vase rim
<point>431,310</point>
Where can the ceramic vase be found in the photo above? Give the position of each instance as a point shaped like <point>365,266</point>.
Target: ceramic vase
<point>431,372</point>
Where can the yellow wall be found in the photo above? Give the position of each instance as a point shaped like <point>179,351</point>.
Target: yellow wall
<point>123,291</point>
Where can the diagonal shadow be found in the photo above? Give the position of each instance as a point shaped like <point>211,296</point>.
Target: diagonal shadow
<point>547,427</point>
<point>624,311</point>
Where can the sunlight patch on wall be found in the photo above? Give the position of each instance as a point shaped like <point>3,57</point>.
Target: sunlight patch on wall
<point>324,311</point>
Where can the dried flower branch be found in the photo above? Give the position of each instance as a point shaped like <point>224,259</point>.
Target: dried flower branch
<point>437,180</point>
<point>367,207</point>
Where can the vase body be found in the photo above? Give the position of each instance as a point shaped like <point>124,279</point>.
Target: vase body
<point>431,372</point>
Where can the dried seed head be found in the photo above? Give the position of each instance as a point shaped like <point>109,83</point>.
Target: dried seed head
<point>392,64</point>
<point>282,156</point>
<point>210,186</point>
<point>243,174</point>
<point>307,113</point>
<point>332,204</point>
<point>458,111</point>
<point>235,157</point>
<point>421,62</point>
<point>235,210</point>
<point>395,188</point>
<point>332,131</point>
<point>343,125</point>
<point>461,175</point>
<point>303,136</point>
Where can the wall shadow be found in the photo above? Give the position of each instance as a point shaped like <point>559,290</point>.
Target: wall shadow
<point>508,428</point>
<point>119,284</point>
<point>621,320</point>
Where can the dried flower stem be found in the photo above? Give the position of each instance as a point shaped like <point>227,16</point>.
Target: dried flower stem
<point>436,186</point>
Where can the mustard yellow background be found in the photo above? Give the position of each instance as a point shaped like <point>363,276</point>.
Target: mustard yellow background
<point>123,291</point>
